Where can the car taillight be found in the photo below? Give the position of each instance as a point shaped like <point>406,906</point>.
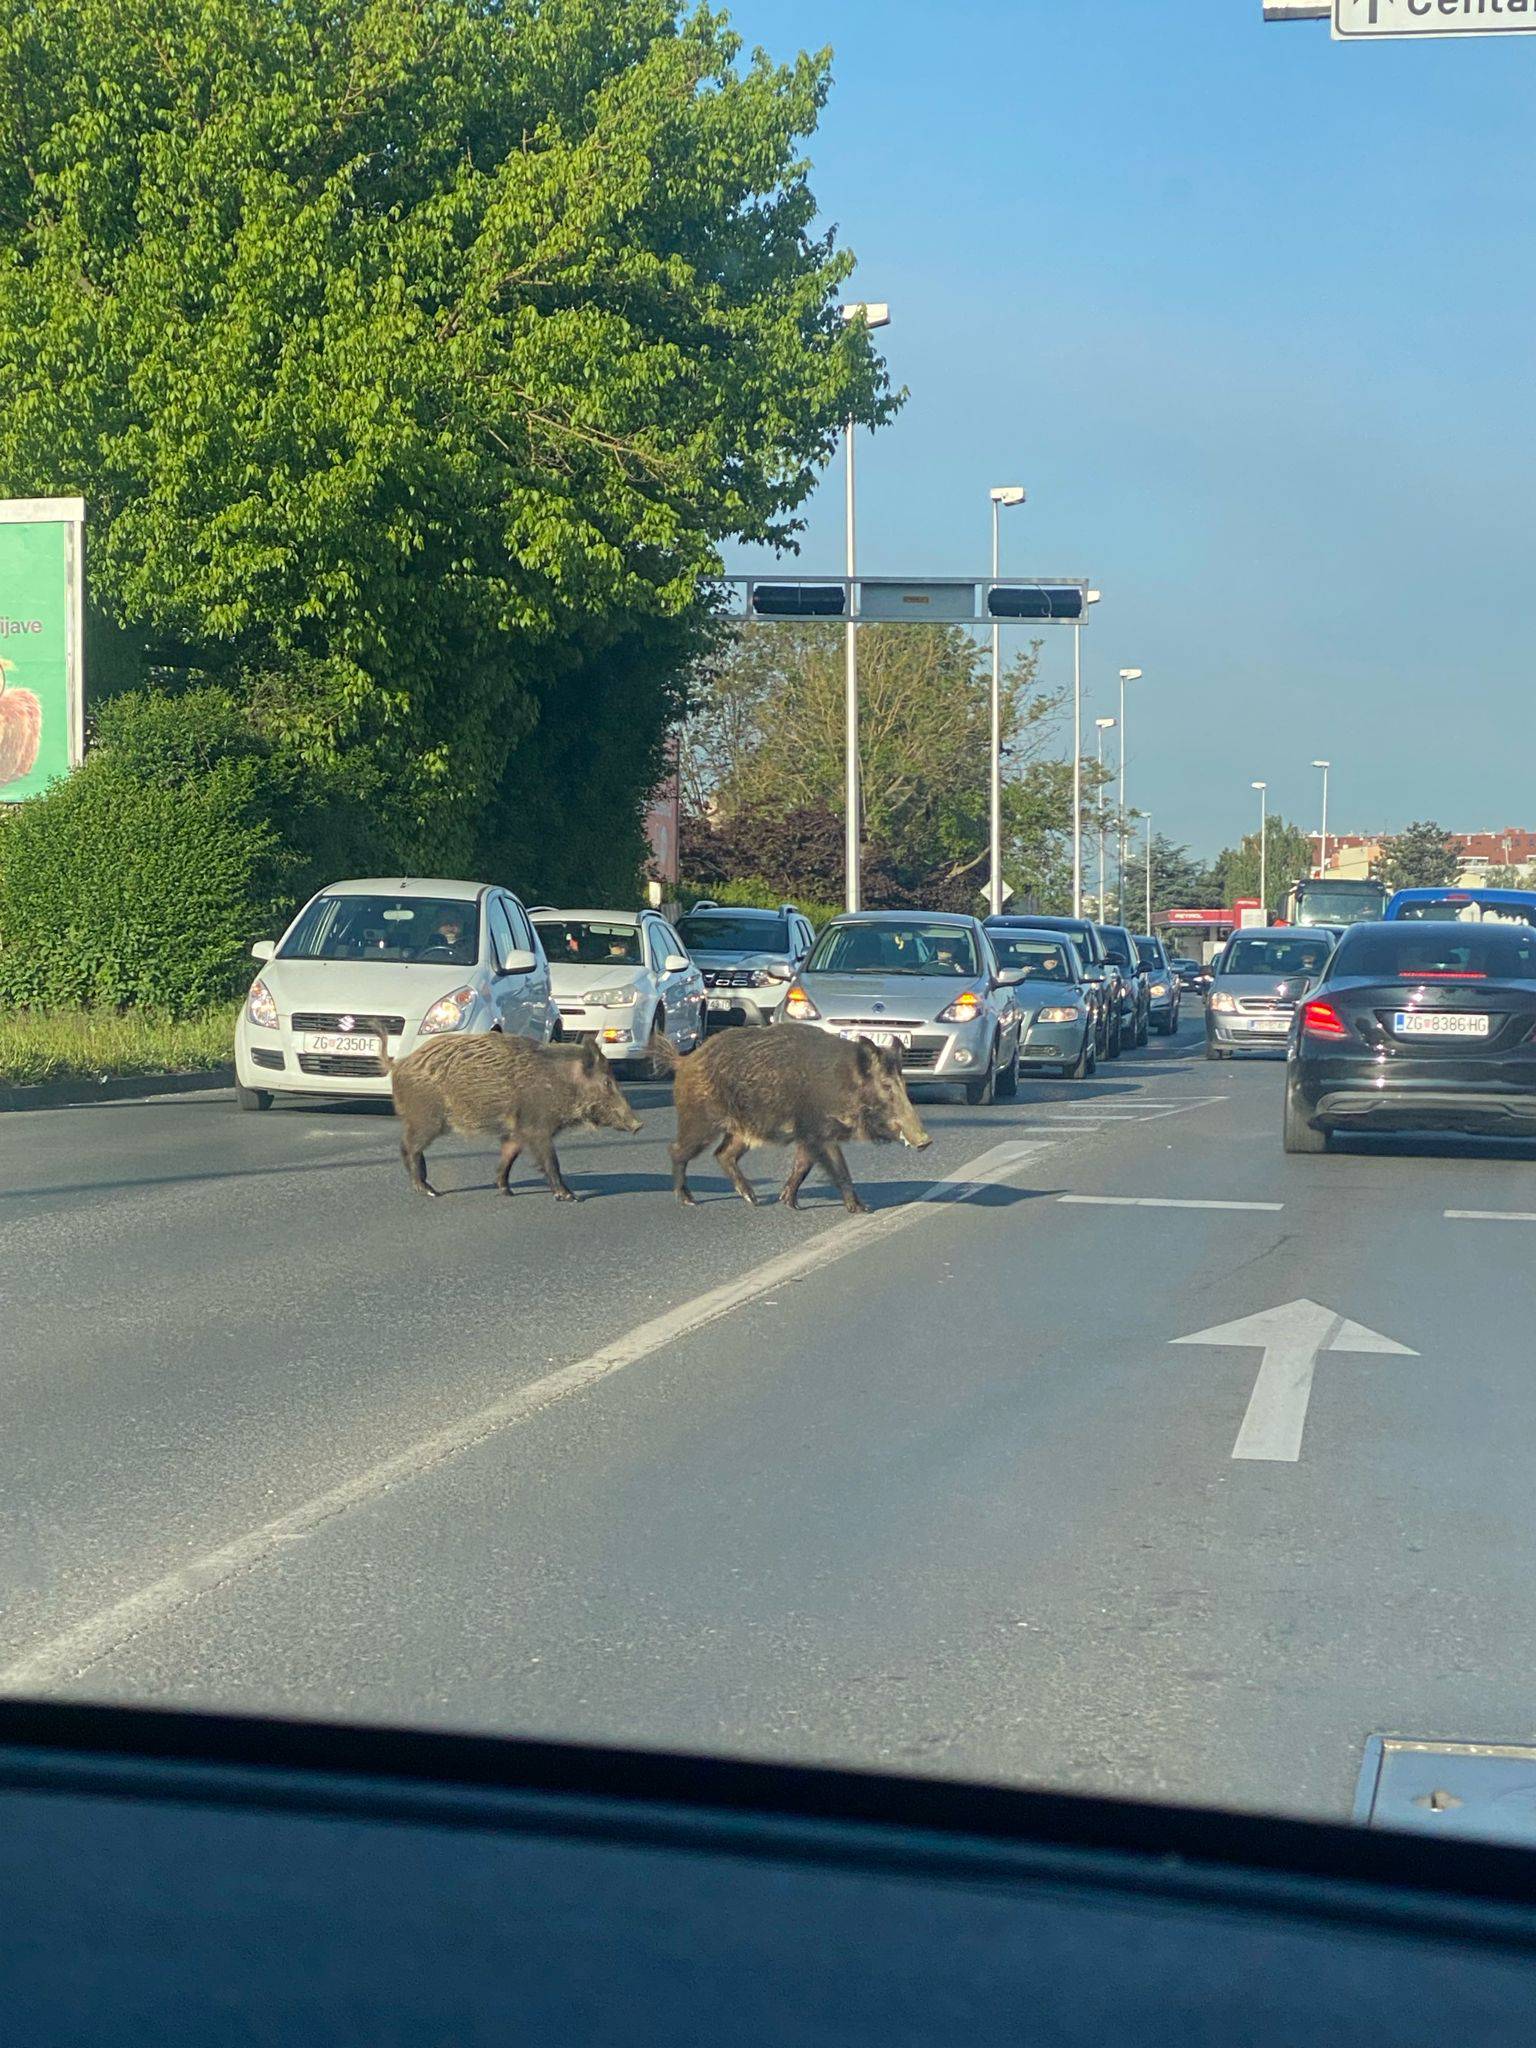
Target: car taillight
<point>1322,1020</point>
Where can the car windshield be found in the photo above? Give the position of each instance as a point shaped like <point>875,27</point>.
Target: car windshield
<point>1118,947</point>
<point>1285,955</point>
<point>414,930</point>
<point>1496,952</point>
<point>714,932</point>
<point>909,947</point>
<point>588,942</point>
<point>1149,953</point>
<point>1037,959</point>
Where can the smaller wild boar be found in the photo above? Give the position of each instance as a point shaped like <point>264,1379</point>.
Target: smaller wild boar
<point>526,1093</point>
<point>788,1085</point>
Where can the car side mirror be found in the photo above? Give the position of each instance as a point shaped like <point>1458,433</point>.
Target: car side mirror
<point>1009,977</point>
<point>676,963</point>
<point>264,949</point>
<point>780,973</point>
<point>518,962</point>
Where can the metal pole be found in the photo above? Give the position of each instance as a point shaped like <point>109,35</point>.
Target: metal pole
<point>1149,871</point>
<point>1120,833</point>
<point>1264,853</point>
<point>1322,864</point>
<point>850,692</point>
<point>1099,806</point>
<point>1077,768</point>
<point>995,866</point>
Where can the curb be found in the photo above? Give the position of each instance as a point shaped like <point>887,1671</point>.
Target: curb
<point>84,1088</point>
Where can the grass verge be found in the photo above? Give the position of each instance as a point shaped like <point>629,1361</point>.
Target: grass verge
<point>60,1045</point>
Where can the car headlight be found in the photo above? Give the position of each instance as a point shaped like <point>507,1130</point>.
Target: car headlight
<point>762,976</point>
<point>1222,1001</point>
<point>798,1004</point>
<point>1064,1013</point>
<point>450,1013</point>
<point>612,998</point>
<point>965,1009</point>
<point>1159,988</point>
<point>261,1006</point>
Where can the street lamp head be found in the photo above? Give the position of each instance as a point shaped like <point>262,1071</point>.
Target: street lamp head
<point>1322,764</point>
<point>1130,675</point>
<point>874,313</point>
<point>1093,596</point>
<point>1261,785</point>
<point>1007,494</point>
<point>1104,724</point>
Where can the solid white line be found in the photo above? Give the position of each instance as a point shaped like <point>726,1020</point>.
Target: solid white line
<point>66,1655</point>
<point>1492,1215</point>
<point>1159,1202</point>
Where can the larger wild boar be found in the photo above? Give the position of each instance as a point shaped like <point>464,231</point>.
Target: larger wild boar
<point>788,1085</point>
<point>523,1092</point>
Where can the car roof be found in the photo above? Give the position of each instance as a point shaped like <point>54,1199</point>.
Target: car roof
<point>959,918</point>
<point>408,885</point>
<point>1042,922</point>
<point>739,910</point>
<point>541,915</point>
<point>1277,931</point>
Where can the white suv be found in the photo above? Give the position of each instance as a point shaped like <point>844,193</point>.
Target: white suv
<point>407,960</point>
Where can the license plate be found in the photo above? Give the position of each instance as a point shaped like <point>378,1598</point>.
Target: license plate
<point>340,1042</point>
<point>1440,1024</point>
<point>882,1038</point>
<point>1275,1024</point>
<point>722,1003</point>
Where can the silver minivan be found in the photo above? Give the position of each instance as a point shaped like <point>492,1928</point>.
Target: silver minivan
<point>1256,984</point>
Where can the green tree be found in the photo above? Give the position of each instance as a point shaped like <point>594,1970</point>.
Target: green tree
<point>1289,857</point>
<point>766,735</point>
<point>415,357</point>
<point>1420,857</point>
<point>1179,881</point>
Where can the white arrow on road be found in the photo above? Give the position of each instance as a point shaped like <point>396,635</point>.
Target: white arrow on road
<point>1292,1336</point>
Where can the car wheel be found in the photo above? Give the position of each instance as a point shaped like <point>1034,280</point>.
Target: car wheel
<point>1297,1134</point>
<point>1113,1048</point>
<point>252,1098</point>
<point>1085,1064</point>
<point>984,1088</point>
<point>1008,1079</point>
<point>1142,1032</point>
<point>1216,1052</point>
<point>647,1068</point>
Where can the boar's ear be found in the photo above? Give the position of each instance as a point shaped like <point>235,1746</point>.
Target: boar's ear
<point>865,1058</point>
<point>890,1059</point>
<point>591,1058</point>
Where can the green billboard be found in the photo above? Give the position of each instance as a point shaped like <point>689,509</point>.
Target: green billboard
<point>40,642</point>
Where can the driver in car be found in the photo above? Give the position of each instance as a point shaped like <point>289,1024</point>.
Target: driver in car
<point>450,939</point>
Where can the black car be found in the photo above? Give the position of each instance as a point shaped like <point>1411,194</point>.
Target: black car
<point>1422,1027</point>
<point>1193,976</point>
<point>1102,976</point>
<point>1163,987</point>
<point>1135,984</point>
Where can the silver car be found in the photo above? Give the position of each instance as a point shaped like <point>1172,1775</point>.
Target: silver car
<point>1056,1018</point>
<point>928,982</point>
<point>748,959</point>
<point>1256,983</point>
<point>401,960</point>
<point>619,975</point>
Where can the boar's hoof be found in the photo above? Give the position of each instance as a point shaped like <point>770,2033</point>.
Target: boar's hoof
<point>566,1195</point>
<point>854,1206</point>
<point>425,1187</point>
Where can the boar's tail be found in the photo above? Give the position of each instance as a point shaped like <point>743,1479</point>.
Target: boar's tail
<point>662,1053</point>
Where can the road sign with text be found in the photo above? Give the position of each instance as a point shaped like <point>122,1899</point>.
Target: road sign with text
<point>1364,19</point>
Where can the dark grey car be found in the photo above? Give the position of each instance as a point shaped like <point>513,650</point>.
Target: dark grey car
<point>1056,1019</point>
<point>1256,984</point>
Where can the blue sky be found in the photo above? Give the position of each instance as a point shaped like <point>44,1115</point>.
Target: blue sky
<point>1250,314</point>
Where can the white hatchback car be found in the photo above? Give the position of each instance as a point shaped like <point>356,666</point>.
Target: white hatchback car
<point>408,959</point>
<point>617,976</point>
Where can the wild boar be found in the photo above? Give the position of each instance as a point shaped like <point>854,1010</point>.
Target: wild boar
<point>526,1093</point>
<point>789,1085</point>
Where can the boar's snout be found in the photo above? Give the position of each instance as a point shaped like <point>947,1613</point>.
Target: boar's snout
<point>887,1110</point>
<point>911,1129</point>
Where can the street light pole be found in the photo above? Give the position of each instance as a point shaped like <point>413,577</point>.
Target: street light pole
<point>1263,789</point>
<point>1322,851</point>
<point>872,316</point>
<point>1104,725</point>
<point>1077,759</point>
<point>1001,495</point>
<point>1149,871</point>
<point>1127,675</point>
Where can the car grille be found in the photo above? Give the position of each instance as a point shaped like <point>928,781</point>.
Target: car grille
<point>730,977</point>
<point>921,1056</point>
<point>319,1020</point>
<point>260,1057</point>
<point>878,1023</point>
<point>339,1063</point>
<point>1266,1006</point>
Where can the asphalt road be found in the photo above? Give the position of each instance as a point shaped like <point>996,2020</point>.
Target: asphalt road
<point>935,1489</point>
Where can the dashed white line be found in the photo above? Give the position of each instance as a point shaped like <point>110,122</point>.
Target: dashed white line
<point>1159,1202</point>
<point>54,1663</point>
<point>1491,1215</point>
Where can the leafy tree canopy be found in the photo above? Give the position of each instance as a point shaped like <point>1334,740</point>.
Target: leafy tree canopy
<point>1421,857</point>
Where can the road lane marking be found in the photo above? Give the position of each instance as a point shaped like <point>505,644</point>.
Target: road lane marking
<point>1292,1336</point>
<point>1492,1215</point>
<point>1159,1202</point>
<point>74,1650</point>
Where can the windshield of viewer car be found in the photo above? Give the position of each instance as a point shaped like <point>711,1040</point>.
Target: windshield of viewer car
<point>714,934</point>
<point>913,946</point>
<point>579,942</point>
<point>1037,959</point>
<point>409,929</point>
